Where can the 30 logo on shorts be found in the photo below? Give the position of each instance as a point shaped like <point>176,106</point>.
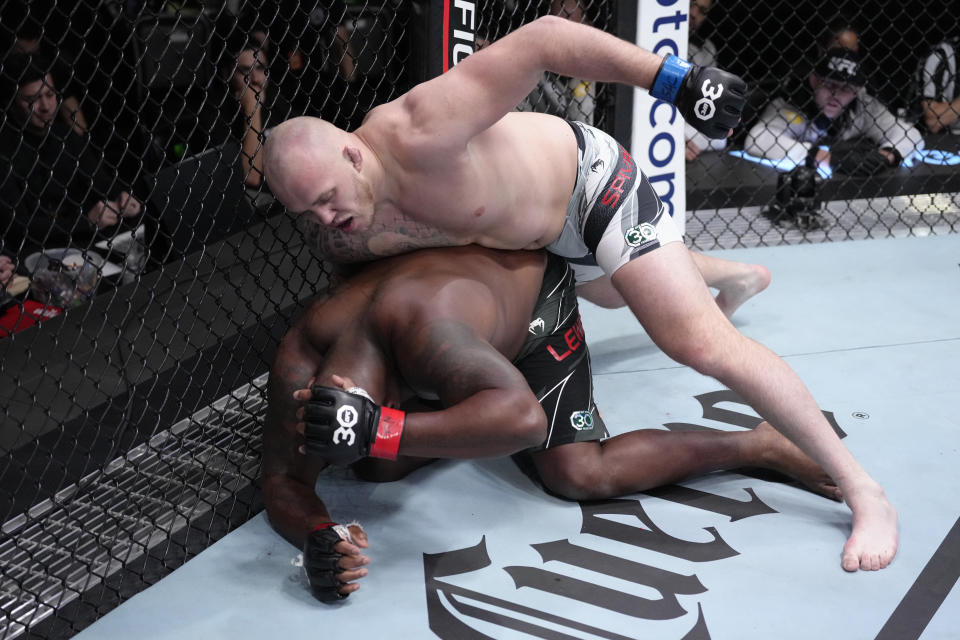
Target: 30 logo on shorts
<point>640,234</point>
<point>581,420</point>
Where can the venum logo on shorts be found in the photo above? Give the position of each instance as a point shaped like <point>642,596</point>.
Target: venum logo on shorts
<point>640,234</point>
<point>347,417</point>
<point>581,420</point>
<point>537,325</point>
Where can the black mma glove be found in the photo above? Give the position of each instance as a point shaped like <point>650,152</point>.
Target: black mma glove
<point>342,427</point>
<point>858,158</point>
<point>708,98</point>
<point>322,563</point>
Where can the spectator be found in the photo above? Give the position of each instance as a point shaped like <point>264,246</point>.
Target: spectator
<point>254,21</point>
<point>53,191</point>
<point>938,80</point>
<point>839,34</point>
<point>234,105</point>
<point>7,269</point>
<point>316,63</point>
<point>829,107</point>
<point>28,39</point>
<point>701,52</point>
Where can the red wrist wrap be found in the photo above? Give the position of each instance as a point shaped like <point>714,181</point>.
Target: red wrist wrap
<point>389,430</point>
<point>325,525</point>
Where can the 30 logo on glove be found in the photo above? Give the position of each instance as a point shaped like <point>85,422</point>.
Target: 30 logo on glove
<point>342,427</point>
<point>706,106</point>
<point>708,98</point>
<point>346,417</point>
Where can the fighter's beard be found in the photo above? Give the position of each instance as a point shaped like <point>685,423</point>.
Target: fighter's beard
<point>391,233</point>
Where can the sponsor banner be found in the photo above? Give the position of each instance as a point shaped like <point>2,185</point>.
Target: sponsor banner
<point>459,31</point>
<point>657,142</point>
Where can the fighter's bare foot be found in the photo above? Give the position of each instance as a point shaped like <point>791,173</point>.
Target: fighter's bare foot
<point>734,291</point>
<point>779,454</point>
<point>873,543</point>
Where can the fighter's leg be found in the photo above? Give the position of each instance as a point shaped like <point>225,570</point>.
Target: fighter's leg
<point>666,293</point>
<point>601,292</point>
<point>735,282</point>
<point>647,458</point>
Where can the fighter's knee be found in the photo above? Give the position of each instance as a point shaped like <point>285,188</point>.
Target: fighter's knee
<point>704,354</point>
<point>576,481</point>
<point>696,354</point>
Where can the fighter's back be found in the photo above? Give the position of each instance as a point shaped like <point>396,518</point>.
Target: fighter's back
<point>489,291</point>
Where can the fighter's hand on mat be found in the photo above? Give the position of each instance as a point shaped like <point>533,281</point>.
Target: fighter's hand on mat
<point>333,560</point>
<point>342,426</point>
<point>708,98</point>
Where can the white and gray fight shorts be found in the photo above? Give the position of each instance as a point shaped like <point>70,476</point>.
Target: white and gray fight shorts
<point>614,214</point>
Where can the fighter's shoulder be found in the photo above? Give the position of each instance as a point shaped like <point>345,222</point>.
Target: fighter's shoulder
<point>416,299</point>
<point>330,312</point>
<point>405,127</point>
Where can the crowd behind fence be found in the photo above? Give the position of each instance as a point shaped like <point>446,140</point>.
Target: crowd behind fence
<point>148,274</point>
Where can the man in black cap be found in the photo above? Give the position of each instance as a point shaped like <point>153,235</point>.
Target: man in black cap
<point>832,108</point>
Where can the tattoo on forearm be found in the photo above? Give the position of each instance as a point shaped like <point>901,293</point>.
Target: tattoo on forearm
<point>454,361</point>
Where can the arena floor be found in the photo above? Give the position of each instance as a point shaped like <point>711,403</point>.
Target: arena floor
<point>476,550</point>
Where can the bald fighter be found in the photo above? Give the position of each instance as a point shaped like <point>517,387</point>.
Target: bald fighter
<point>449,164</point>
<point>493,336</point>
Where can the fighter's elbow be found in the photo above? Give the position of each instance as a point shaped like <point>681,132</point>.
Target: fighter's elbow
<point>549,22</point>
<point>540,34</point>
<point>525,419</point>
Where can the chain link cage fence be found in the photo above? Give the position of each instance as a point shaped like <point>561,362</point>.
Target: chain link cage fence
<point>155,275</point>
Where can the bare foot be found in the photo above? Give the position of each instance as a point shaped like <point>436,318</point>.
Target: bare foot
<point>873,542</point>
<point>779,454</point>
<point>735,290</point>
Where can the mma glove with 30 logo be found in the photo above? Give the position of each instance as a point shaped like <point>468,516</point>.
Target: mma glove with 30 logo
<point>708,98</point>
<point>342,427</point>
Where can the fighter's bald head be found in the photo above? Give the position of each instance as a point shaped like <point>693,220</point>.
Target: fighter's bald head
<point>296,141</point>
<point>297,147</point>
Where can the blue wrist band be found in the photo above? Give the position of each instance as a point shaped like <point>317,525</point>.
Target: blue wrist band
<point>670,78</point>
